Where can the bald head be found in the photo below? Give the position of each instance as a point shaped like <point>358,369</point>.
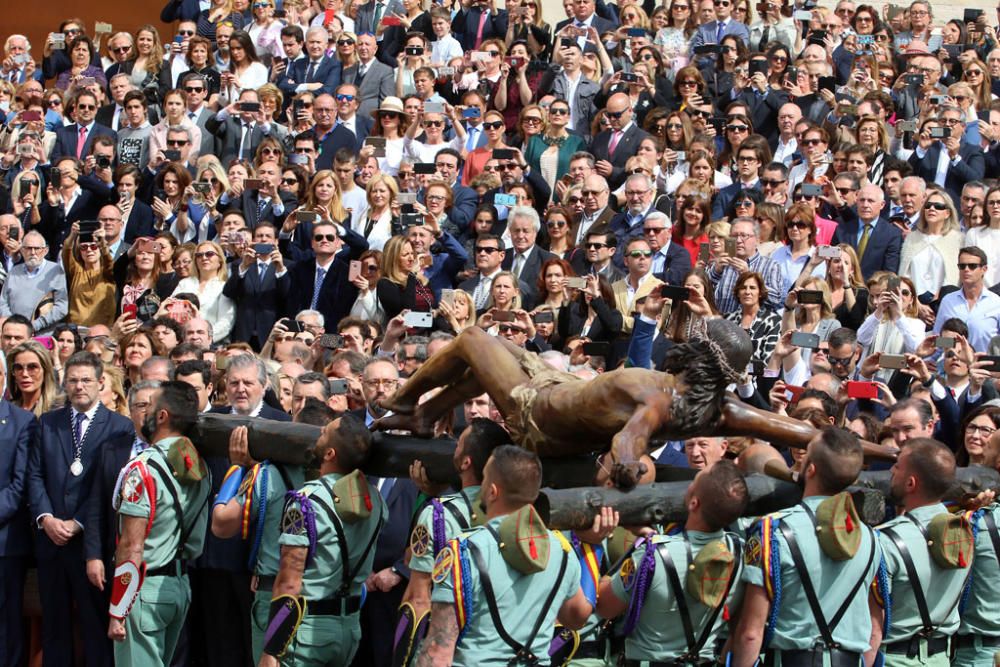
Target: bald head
<point>595,193</point>
<point>619,111</point>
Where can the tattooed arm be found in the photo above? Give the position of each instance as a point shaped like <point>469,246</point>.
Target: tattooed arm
<point>293,564</point>
<point>438,648</point>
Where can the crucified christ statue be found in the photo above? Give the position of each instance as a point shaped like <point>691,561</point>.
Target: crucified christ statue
<point>557,414</point>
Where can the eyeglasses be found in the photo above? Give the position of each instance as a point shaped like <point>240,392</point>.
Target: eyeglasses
<point>493,125</point>
<point>433,123</point>
<point>345,42</point>
<point>319,238</point>
<point>487,249</point>
<point>594,245</point>
<point>33,249</point>
<point>380,383</point>
<point>935,205</point>
<point>436,198</point>
<point>533,120</point>
<point>972,429</point>
<point>183,142</point>
<point>635,193</point>
<point>970,266</point>
<point>772,183</point>
<point>555,223</point>
<point>636,254</point>
<point>559,111</point>
<point>737,128</point>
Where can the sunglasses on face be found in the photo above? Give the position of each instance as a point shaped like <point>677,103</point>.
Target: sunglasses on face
<point>319,238</point>
<point>962,266</point>
<point>121,49</point>
<point>86,107</point>
<point>595,246</point>
<point>486,249</point>
<point>345,42</point>
<point>555,223</point>
<point>614,115</point>
<point>935,205</point>
<point>811,142</point>
<point>183,142</point>
<point>208,254</point>
<point>193,89</point>
<point>433,123</point>
<point>636,254</point>
<point>797,224</point>
<point>575,200</point>
<point>737,128</point>
<point>531,120</point>
<point>493,125</point>
<point>558,111</point>
<point>345,98</point>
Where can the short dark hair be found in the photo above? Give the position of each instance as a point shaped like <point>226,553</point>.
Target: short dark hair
<point>923,409</point>
<point>134,95</point>
<point>186,368</point>
<point>309,136</point>
<point>352,444</point>
<point>976,252</point>
<point>316,413</point>
<point>723,493</point>
<point>345,156</point>
<point>186,348</point>
<point>519,473</point>
<point>485,435</point>
<point>843,336</point>
<point>957,326</point>
<point>933,464</point>
<point>838,457</point>
<point>604,231</point>
<point>452,152</point>
<point>293,31</point>
<point>84,358</point>
<point>828,401</point>
<point>169,323</point>
<point>312,377</point>
<point>22,320</point>
<point>180,400</point>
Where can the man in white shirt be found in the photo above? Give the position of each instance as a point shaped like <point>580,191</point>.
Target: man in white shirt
<point>912,192</point>
<point>110,218</point>
<point>488,255</point>
<point>788,117</point>
<point>595,205</point>
<point>639,281</point>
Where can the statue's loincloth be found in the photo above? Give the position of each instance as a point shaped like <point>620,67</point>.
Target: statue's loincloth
<point>524,430</point>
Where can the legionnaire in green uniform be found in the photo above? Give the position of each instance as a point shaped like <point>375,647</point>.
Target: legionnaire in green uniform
<point>442,520</point>
<point>691,577</point>
<point>250,503</point>
<point>928,554</point>
<point>328,534</point>
<point>162,512</point>
<point>978,638</point>
<point>497,593</point>
<point>809,569</point>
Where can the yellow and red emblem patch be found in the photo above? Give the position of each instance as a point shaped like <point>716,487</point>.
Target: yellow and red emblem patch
<point>443,565</point>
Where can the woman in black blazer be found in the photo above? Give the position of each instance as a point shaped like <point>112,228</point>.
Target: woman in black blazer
<point>592,314</point>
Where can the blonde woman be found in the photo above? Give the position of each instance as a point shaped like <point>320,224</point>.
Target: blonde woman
<point>26,195</point>
<point>113,390</point>
<point>930,252</point>
<point>460,312</point>
<point>893,326</point>
<point>323,198</point>
<point>402,285</point>
<point>31,378</point>
<point>810,317</point>
<point>505,295</point>
<point>207,280</point>
<point>149,60</point>
<point>380,219</point>
<point>265,31</point>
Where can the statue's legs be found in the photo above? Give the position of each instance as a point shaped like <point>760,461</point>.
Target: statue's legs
<point>494,366</point>
<point>425,416</point>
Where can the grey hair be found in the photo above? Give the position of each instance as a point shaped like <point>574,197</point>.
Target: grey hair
<point>645,179</point>
<point>556,360</point>
<point>525,212</point>
<point>922,186</point>
<point>315,313</point>
<point>312,377</point>
<point>141,385</point>
<point>243,361</point>
<point>752,221</point>
<point>660,216</point>
<point>181,128</point>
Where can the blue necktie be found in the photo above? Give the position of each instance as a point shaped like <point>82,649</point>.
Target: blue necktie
<point>470,143</point>
<point>720,33</point>
<point>320,275</point>
<point>78,429</point>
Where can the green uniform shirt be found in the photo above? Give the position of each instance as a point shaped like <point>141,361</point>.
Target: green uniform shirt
<point>942,587</point>
<point>323,574</point>
<point>982,613</point>
<point>832,580</point>
<point>165,533</point>
<point>654,639</point>
<point>422,540</point>
<point>520,599</point>
<point>269,552</point>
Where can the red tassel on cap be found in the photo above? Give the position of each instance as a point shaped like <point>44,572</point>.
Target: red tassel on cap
<point>368,502</point>
<point>532,549</point>
<point>725,613</point>
<point>961,559</point>
<point>188,463</point>
<point>849,524</point>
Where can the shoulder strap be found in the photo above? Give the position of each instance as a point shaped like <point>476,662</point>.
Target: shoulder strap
<point>911,573</point>
<point>522,651</point>
<point>178,509</point>
<point>347,573</point>
<point>991,528</point>
<point>825,628</point>
<point>283,471</point>
<point>457,515</point>
<point>679,594</point>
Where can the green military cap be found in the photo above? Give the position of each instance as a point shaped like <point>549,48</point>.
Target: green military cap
<point>949,539</point>
<point>524,541</point>
<point>708,574</point>
<point>619,543</point>
<point>185,462</point>
<point>352,496</point>
<point>838,527</point>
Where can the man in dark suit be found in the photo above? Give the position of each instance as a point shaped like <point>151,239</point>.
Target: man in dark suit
<point>239,132</point>
<point>488,256</point>
<point>721,24</point>
<point>18,430</point>
<point>259,287</point>
<point>599,246</point>
<point>884,240</point>
<point>374,79</point>
<point>671,262</point>
<point>220,582</point>
<point>465,27</point>
<point>321,283</point>
<point>749,163</point>
<point>614,146</point>
<point>639,194</point>
<point>390,575</point>
<point>317,73</point>
<point>267,203</point>
<point>585,16</point>
<point>371,13</point>
<point>61,471</point>
<point>348,101</point>
<point>196,91</point>
<point>75,140</point>
<point>525,258</point>
<point>55,220</point>
<point>963,162</point>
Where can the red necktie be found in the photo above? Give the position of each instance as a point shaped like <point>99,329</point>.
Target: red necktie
<point>81,142</point>
<point>482,24</point>
<point>616,136</point>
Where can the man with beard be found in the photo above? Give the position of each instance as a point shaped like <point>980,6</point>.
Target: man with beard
<point>927,558</point>
<point>36,288</point>
<point>816,551</point>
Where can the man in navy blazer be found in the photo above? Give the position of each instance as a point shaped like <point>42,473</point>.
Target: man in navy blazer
<point>885,241</point>
<point>465,25</point>
<point>588,14</point>
<point>317,73</point>
<point>180,10</point>
<point>712,31</point>
<point>259,287</point>
<point>321,282</point>
<point>965,162</point>
<point>61,471</point>
<point>68,137</point>
<point>613,147</point>
<point>18,430</point>
<point>671,262</point>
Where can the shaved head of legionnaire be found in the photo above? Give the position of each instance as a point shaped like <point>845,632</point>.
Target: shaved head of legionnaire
<point>834,458</point>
